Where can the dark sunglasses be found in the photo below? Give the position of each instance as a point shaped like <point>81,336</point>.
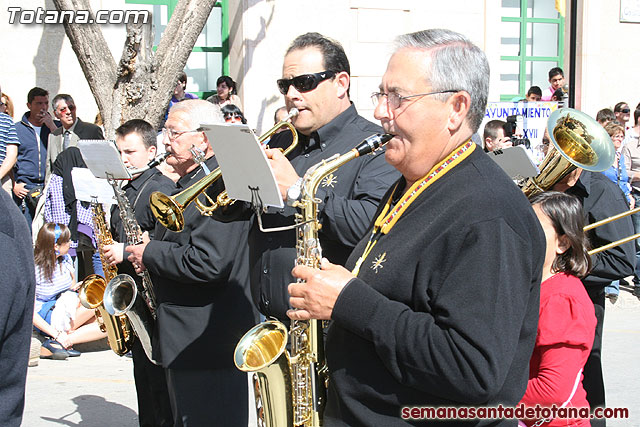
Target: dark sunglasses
<point>625,110</point>
<point>304,82</point>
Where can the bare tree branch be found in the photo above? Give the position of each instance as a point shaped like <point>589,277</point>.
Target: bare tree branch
<point>142,83</point>
<point>92,52</point>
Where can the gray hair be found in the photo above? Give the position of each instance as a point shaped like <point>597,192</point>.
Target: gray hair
<point>456,63</point>
<point>199,112</point>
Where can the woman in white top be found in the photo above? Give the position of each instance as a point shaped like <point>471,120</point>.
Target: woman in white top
<point>226,93</point>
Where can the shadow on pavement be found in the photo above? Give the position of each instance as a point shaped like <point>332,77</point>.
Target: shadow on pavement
<point>96,411</point>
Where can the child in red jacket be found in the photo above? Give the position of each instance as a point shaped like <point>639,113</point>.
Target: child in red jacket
<point>567,323</point>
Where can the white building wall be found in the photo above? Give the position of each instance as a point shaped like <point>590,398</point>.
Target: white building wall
<point>261,30</point>
<point>41,55</point>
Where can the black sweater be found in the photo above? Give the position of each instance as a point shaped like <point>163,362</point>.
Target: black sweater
<point>450,318</point>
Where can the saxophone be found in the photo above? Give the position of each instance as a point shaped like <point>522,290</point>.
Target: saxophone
<point>118,329</point>
<point>291,389</point>
<point>121,296</point>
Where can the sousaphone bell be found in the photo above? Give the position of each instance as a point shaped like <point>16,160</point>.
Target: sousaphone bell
<point>578,142</point>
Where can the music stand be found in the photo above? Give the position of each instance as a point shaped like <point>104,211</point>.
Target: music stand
<point>515,162</point>
<point>103,160</point>
<point>245,168</point>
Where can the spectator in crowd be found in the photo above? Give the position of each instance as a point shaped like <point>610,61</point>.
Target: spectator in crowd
<point>534,94</point>
<point>494,137</point>
<point>62,206</point>
<point>567,321</point>
<point>180,93</point>
<point>30,168</point>
<point>631,159</point>
<point>622,112</point>
<point>617,173</point>
<point>633,133</point>
<point>72,130</point>
<point>600,199</point>
<point>227,93</point>
<point>557,95</point>
<point>233,114</point>
<point>8,150</point>
<point>17,290</point>
<point>605,116</point>
<point>58,314</point>
<point>556,81</point>
<point>280,114</point>
<point>6,105</point>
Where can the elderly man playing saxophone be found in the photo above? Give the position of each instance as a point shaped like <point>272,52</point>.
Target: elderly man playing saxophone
<point>423,318</point>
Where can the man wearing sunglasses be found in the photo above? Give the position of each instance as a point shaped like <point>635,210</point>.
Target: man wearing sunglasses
<point>72,130</point>
<point>315,80</point>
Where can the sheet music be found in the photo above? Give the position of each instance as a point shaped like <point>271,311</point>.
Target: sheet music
<point>103,159</point>
<point>245,168</point>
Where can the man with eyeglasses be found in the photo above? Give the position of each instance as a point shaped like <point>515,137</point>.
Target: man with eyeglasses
<point>72,130</point>
<point>315,80</point>
<point>200,278</point>
<point>438,303</point>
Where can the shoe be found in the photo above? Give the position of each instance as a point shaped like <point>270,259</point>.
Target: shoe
<point>73,353</point>
<point>34,352</point>
<point>52,349</point>
<point>612,297</point>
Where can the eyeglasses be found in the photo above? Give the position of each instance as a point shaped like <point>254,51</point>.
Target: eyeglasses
<point>625,110</point>
<point>394,100</point>
<point>305,82</point>
<point>231,116</point>
<point>68,108</point>
<point>174,134</point>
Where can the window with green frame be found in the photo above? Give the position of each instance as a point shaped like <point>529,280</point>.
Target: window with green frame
<point>209,57</point>
<point>532,42</point>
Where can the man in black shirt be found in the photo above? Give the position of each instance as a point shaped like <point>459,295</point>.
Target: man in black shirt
<point>136,140</point>
<point>199,276</point>
<point>315,80</point>
<point>600,199</point>
<point>427,317</point>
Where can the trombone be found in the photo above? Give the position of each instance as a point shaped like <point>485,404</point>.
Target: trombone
<point>169,210</point>
<point>607,221</point>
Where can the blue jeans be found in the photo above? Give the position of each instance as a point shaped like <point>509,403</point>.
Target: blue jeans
<point>97,263</point>
<point>24,208</point>
<point>636,229</point>
<point>613,288</point>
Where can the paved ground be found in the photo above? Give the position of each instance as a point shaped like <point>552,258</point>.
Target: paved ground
<point>97,389</point>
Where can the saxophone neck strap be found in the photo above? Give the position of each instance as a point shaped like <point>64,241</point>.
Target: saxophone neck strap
<point>389,216</point>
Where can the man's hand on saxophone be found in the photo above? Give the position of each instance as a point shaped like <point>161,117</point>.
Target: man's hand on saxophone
<point>114,253</point>
<point>136,252</point>
<point>316,296</point>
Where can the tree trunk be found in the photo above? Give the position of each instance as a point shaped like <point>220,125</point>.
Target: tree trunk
<point>141,85</point>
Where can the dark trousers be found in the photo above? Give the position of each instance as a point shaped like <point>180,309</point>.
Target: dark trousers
<point>204,397</point>
<point>593,381</point>
<point>154,407</point>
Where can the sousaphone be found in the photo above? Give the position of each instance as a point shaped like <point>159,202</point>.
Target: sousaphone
<point>578,142</point>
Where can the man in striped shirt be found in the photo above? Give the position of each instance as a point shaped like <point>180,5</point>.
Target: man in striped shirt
<point>8,149</point>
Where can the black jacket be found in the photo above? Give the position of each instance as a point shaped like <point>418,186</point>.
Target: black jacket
<point>200,276</point>
<point>444,310</point>
<point>350,196</point>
